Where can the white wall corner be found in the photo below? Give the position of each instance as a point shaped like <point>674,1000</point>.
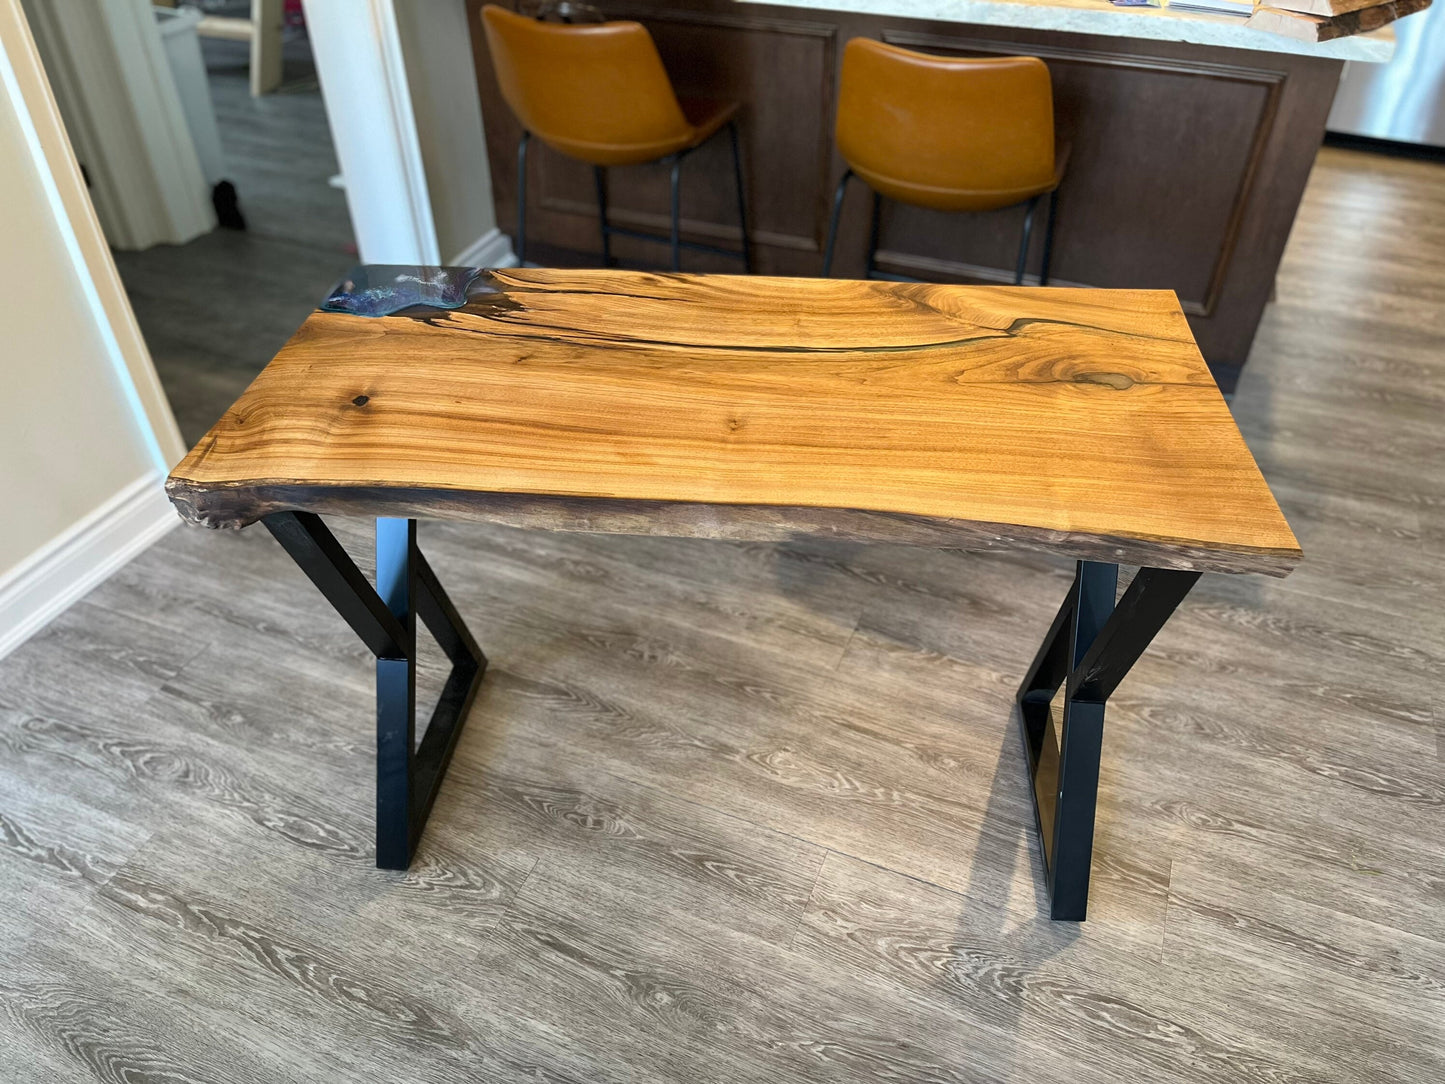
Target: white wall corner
<point>362,71</point>
<point>400,90</point>
<point>442,76</point>
<point>93,415</point>
<point>38,589</point>
<point>491,249</point>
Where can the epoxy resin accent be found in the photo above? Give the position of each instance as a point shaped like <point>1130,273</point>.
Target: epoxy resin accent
<point>382,289</point>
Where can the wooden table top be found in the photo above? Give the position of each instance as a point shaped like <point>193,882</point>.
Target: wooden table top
<point>1081,422</point>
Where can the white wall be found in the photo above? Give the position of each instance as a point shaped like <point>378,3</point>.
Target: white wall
<point>86,436</point>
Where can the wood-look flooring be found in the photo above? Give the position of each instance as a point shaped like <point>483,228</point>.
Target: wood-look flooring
<point>744,812</point>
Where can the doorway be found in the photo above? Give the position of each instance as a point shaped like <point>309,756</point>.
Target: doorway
<point>215,309</point>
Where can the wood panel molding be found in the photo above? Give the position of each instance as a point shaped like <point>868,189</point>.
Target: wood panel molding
<point>932,269</point>
<point>920,39</point>
<point>816,28</point>
<point>712,232</point>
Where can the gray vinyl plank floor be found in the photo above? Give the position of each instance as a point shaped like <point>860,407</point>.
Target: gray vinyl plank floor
<point>728,812</point>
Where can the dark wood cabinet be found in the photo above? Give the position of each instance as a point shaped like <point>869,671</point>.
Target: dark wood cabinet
<point>1188,161</point>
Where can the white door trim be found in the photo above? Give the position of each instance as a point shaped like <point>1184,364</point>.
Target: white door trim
<point>109,73</point>
<point>359,62</point>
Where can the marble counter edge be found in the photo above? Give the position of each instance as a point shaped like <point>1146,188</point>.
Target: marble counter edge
<point>1084,17</point>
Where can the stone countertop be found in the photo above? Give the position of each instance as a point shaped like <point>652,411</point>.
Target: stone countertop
<point>1101,17</point>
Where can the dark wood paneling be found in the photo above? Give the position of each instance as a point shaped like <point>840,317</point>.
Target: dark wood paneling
<point>756,56</point>
<point>1188,162</point>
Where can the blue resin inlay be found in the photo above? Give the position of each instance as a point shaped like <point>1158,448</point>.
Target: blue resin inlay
<point>380,289</point>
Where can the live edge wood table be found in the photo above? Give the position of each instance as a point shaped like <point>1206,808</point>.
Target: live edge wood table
<point>1076,422</point>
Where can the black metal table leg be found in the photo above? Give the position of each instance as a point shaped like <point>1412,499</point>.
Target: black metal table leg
<point>408,776</point>
<point>1089,648</point>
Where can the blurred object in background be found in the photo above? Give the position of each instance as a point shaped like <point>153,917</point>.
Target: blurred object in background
<point>259,22</point>
<point>561,11</point>
<point>183,53</point>
<point>108,69</point>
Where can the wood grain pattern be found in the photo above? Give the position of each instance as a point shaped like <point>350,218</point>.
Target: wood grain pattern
<point>1078,421</point>
<point>297,242</point>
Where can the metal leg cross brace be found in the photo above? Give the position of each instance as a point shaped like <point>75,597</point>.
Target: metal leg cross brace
<point>1088,650</point>
<point>408,776</point>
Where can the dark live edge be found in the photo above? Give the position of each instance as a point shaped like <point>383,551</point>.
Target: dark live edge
<point>237,505</point>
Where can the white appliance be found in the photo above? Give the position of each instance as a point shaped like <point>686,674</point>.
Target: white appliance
<point>1403,100</point>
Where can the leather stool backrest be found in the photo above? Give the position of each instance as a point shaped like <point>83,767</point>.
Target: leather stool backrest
<point>596,91</point>
<point>956,133</point>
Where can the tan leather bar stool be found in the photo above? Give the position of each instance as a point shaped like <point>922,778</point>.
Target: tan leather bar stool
<point>598,92</point>
<point>948,133</point>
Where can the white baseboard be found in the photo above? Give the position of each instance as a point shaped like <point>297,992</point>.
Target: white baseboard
<point>491,249</point>
<point>42,586</point>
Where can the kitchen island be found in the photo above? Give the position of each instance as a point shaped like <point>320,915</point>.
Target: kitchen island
<point>1192,137</point>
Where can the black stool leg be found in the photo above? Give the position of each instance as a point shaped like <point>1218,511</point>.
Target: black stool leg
<point>838,195</point>
<point>1049,239</point>
<point>599,176</point>
<point>1024,241</point>
<point>873,234</point>
<point>675,236</point>
<point>522,198</point>
<point>742,199</point>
